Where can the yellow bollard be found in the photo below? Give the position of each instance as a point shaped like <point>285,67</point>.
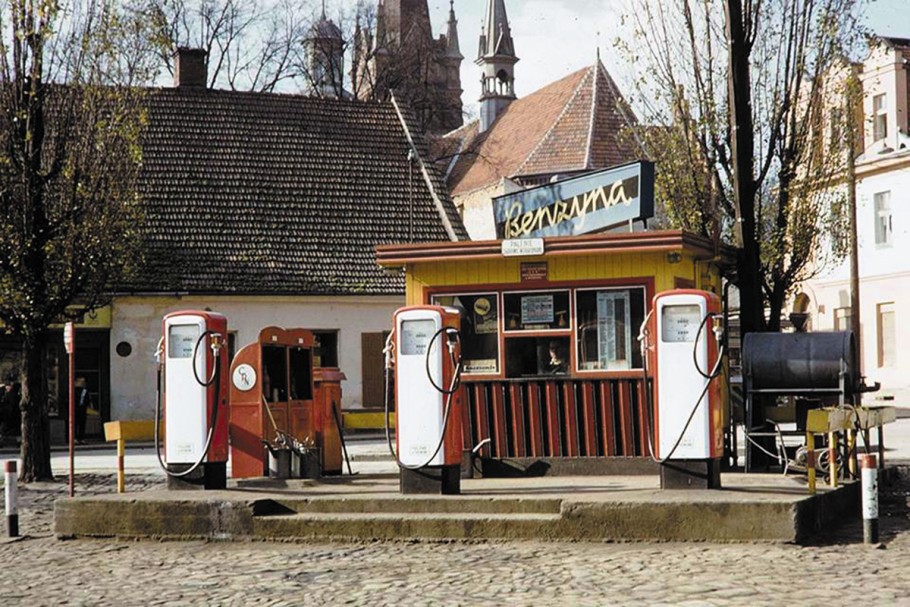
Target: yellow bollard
<point>851,452</point>
<point>121,475</point>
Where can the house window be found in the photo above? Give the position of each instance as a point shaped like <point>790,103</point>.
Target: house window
<point>886,334</point>
<point>372,368</point>
<point>325,349</point>
<point>883,228</point>
<point>607,319</point>
<point>842,319</point>
<point>479,329</point>
<point>879,117</point>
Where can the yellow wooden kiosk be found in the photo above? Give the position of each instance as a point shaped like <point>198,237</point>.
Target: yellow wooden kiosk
<point>550,331</point>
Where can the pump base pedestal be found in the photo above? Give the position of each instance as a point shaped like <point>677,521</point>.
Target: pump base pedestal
<point>690,474</point>
<point>436,480</point>
<point>210,475</point>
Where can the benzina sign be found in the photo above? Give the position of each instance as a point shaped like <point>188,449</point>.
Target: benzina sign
<point>579,205</point>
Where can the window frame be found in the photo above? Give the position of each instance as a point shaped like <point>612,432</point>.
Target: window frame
<point>884,233</point>
<point>646,283</point>
<point>880,117</point>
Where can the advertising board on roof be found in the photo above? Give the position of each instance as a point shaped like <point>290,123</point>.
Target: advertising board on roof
<point>578,205</point>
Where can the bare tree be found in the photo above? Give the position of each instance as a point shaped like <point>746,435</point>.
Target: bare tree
<point>69,157</point>
<point>249,45</point>
<point>740,97</point>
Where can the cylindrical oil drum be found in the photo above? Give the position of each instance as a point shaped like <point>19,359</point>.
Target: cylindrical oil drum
<point>800,361</point>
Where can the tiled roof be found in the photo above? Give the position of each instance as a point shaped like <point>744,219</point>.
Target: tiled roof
<point>568,126</point>
<point>279,194</point>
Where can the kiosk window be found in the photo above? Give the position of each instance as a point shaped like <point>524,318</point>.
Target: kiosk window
<point>479,330</point>
<point>301,374</point>
<point>536,356</point>
<point>275,376</point>
<point>607,320</point>
<point>536,311</point>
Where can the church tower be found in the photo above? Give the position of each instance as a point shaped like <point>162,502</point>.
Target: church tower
<point>325,58</point>
<point>496,57</point>
<point>402,55</point>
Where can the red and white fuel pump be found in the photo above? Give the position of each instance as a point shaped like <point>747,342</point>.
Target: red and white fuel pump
<point>428,396</point>
<point>684,357</point>
<point>193,385</point>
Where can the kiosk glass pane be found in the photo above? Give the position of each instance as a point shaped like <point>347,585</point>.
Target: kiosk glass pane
<point>608,322</point>
<point>536,311</point>
<point>479,330</point>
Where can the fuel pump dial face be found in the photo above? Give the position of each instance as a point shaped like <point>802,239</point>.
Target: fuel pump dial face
<point>244,377</point>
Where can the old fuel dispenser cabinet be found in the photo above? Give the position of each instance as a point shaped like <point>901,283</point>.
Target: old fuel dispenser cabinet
<point>685,363</point>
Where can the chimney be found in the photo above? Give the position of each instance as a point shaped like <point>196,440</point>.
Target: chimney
<point>190,67</point>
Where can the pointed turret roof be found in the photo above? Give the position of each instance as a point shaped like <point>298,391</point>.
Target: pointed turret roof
<point>496,38</point>
<point>572,125</point>
<point>453,51</point>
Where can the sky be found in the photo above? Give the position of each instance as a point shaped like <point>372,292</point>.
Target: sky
<point>553,38</point>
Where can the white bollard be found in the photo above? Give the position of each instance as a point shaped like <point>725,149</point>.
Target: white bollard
<point>12,509</point>
<point>870,498</point>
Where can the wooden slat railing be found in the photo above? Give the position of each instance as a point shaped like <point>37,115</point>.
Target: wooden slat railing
<point>557,417</point>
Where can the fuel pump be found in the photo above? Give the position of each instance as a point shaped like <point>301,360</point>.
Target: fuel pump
<point>426,345</point>
<point>682,340</point>
<point>192,383</point>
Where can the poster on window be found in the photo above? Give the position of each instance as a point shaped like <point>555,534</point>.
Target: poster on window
<point>486,319</point>
<point>613,334</point>
<point>536,309</point>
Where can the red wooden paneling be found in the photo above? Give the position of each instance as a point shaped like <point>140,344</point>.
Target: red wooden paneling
<point>587,416</point>
<point>552,419</point>
<point>534,427</point>
<point>516,407</point>
<point>606,418</point>
<point>481,421</point>
<point>627,440</point>
<point>498,431</point>
<point>570,419</point>
<point>644,425</point>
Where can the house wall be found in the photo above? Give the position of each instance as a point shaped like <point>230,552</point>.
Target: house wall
<point>137,321</point>
<point>884,278</point>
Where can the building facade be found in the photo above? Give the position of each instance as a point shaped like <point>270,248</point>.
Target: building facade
<point>883,228</point>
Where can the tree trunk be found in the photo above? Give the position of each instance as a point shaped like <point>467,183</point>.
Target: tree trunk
<point>36,445</point>
<point>743,148</point>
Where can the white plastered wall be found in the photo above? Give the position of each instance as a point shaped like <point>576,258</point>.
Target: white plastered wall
<point>137,321</point>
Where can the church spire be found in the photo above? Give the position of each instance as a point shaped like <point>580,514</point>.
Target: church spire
<point>453,49</point>
<point>496,56</point>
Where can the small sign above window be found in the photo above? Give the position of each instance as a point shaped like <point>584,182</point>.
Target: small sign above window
<point>533,271</point>
<point>522,247</point>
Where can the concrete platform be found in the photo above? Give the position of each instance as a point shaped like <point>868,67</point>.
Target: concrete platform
<point>755,507</point>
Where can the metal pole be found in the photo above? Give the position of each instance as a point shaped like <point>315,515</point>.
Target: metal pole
<point>870,498</point>
<point>12,508</point>
<point>72,413</point>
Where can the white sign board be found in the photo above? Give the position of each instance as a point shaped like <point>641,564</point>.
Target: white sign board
<point>521,247</point>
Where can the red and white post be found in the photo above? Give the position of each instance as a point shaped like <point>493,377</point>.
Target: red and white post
<point>870,497</point>
<point>10,481</point>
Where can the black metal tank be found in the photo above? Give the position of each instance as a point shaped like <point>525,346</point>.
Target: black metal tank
<point>800,361</point>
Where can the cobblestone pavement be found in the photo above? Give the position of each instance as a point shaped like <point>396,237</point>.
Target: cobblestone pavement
<point>41,570</point>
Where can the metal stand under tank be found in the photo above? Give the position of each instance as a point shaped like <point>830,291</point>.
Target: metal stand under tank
<point>690,474</point>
